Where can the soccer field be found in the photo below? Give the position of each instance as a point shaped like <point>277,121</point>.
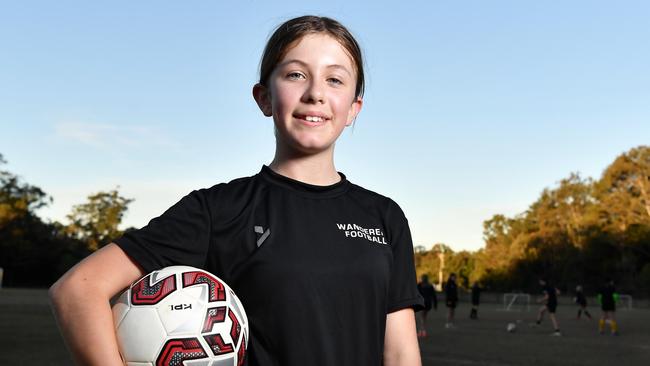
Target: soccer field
<point>30,337</point>
<point>486,342</point>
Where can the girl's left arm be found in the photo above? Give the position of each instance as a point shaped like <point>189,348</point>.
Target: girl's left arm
<point>400,342</point>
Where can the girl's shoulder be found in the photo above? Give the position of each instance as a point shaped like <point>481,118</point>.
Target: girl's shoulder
<point>377,198</point>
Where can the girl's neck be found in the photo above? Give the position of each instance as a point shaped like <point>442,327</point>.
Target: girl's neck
<point>315,169</point>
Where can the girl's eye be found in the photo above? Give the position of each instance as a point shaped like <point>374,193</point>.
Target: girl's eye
<point>335,81</point>
<point>295,76</point>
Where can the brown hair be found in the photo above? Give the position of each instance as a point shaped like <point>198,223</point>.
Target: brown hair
<point>294,29</point>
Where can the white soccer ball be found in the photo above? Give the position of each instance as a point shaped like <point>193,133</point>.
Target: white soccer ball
<point>181,315</point>
<point>511,327</point>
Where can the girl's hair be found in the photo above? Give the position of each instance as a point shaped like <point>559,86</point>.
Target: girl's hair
<point>292,31</point>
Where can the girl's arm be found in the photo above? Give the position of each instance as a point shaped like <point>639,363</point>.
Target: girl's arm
<point>80,300</point>
<point>400,342</point>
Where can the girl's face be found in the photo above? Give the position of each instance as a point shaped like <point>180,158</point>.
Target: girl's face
<point>310,95</point>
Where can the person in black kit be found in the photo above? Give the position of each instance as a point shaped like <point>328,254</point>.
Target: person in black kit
<point>451,299</point>
<point>607,297</point>
<point>323,267</point>
<point>581,300</point>
<point>550,304</point>
<point>428,293</point>
<point>476,300</point>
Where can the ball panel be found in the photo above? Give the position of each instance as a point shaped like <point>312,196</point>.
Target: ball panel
<point>241,354</point>
<point>181,314</point>
<point>204,362</point>
<point>238,308</point>
<point>176,351</point>
<point>225,362</point>
<point>216,287</point>
<point>141,334</point>
<point>151,289</point>
<point>120,308</point>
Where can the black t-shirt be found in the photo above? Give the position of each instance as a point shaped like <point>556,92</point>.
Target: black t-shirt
<point>476,295</point>
<point>581,299</point>
<point>428,292</point>
<point>607,297</point>
<point>451,291</point>
<point>552,295</point>
<point>317,268</point>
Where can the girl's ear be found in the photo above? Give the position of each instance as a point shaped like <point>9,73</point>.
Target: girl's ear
<point>355,108</point>
<point>263,99</point>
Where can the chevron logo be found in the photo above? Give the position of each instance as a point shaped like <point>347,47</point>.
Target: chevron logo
<point>263,234</point>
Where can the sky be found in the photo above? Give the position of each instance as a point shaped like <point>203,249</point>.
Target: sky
<point>471,108</point>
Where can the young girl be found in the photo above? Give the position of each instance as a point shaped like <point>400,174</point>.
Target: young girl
<point>428,293</point>
<point>550,304</point>
<point>581,300</point>
<point>451,299</point>
<point>607,297</point>
<point>324,268</point>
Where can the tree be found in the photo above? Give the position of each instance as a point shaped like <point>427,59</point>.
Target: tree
<point>18,199</point>
<point>32,253</point>
<point>96,221</point>
<point>624,190</point>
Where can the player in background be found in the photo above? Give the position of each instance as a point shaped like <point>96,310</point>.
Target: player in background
<point>550,305</point>
<point>330,280</point>
<point>476,300</point>
<point>608,297</point>
<point>451,299</point>
<point>428,293</point>
<point>581,300</point>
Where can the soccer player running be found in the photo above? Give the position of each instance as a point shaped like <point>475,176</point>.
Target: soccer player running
<point>429,294</point>
<point>451,298</point>
<point>607,297</point>
<point>550,304</point>
<point>581,300</point>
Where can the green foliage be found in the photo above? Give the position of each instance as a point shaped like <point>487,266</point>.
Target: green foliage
<point>34,253</point>
<point>17,199</point>
<point>96,221</point>
<point>578,232</point>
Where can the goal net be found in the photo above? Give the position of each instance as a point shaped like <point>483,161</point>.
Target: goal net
<point>516,302</point>
<point>624,302</point>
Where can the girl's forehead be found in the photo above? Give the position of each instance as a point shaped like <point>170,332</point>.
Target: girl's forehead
<point>317,46</point>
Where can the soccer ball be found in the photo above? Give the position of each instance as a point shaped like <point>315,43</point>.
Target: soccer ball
<point>181,315</point>
<point>511,327</point>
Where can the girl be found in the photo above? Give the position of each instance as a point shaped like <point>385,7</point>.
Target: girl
<point>581,300</point>
<point>451,299</point>
<point>550,304</point>
<point>324,268</point>
<point>428,293</point>
<point>607,297</point>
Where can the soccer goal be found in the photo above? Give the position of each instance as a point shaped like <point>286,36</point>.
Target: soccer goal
<point>516,302</point>
<point>625,302</point>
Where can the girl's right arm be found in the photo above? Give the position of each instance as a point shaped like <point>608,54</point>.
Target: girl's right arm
<point>81,303</point>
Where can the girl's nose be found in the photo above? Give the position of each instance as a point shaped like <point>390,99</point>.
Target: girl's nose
<point>314,93</point>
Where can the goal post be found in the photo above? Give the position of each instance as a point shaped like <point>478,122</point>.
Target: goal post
<point>516,301</point>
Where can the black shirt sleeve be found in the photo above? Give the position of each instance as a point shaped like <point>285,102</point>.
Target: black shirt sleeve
<point>179,236</point>
<point>403,290</point>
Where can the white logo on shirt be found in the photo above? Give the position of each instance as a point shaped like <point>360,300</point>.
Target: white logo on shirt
<point>356,231</point>
<point>264,234</point>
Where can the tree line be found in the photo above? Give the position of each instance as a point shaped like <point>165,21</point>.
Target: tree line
<point>581,231</point>
<point>34,253</point>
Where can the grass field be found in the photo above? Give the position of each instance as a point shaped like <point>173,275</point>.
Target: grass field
<point>29,336</point>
